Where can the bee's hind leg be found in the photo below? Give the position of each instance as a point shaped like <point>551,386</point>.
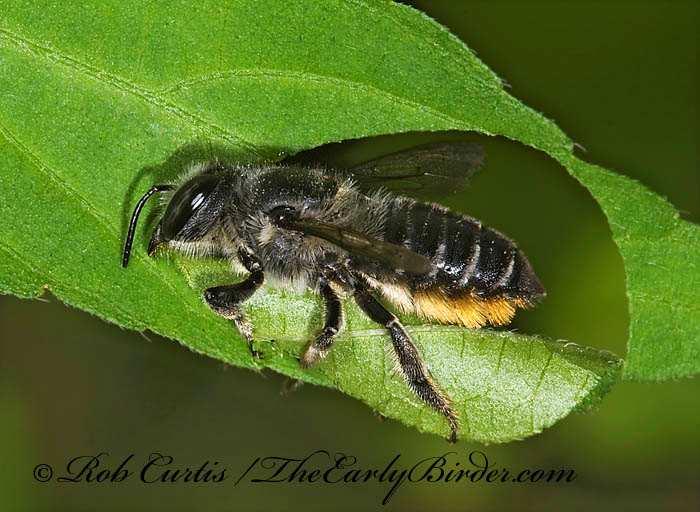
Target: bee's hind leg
<point>319,347</point>
<point>412,366</point>
<point>227,300</point>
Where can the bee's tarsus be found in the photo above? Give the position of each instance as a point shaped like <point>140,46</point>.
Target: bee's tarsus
<point>453,435</point>
<point>255,354</point>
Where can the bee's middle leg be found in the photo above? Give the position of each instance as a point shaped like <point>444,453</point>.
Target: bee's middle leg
<point>319,347</point>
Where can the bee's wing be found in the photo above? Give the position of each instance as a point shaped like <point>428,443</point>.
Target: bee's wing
<point>429,169</point>
<point>426,171</point>
<point>360,244</point>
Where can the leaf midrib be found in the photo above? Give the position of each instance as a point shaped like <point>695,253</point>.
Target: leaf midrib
<point>115,81</point>
<point>158,97</point>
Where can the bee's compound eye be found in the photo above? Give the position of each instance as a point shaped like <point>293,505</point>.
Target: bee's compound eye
<point>185,202</point>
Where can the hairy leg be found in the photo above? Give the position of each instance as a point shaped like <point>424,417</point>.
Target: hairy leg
<point>319,347</point>
<point>410,362</point>
<point>227,300</point>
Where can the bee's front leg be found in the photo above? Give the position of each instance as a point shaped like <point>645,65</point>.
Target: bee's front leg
<point>319,347</point>
<point>227,300</point>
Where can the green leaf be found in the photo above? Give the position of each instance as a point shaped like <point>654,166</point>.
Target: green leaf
<point>661,254</point>
<point>98,101</point>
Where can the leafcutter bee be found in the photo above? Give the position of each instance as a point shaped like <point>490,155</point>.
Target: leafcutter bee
<point>340,234</point>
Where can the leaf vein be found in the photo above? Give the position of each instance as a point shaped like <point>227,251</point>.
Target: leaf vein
<point>318,78</point>
<point>114,81</point>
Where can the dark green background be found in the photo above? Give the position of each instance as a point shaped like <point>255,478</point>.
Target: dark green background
<point>621,79</point>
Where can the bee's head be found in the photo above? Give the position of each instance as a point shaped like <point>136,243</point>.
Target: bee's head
<point>190,214</point>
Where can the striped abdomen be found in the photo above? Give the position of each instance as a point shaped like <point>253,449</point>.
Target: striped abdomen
<point>479,276</point>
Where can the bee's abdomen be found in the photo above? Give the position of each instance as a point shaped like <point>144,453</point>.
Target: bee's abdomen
<point>466,256</point>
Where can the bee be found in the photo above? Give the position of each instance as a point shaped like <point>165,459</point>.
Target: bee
<point>340,234</point>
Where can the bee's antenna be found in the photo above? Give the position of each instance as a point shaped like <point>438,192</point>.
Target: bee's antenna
<point>135,217</point>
